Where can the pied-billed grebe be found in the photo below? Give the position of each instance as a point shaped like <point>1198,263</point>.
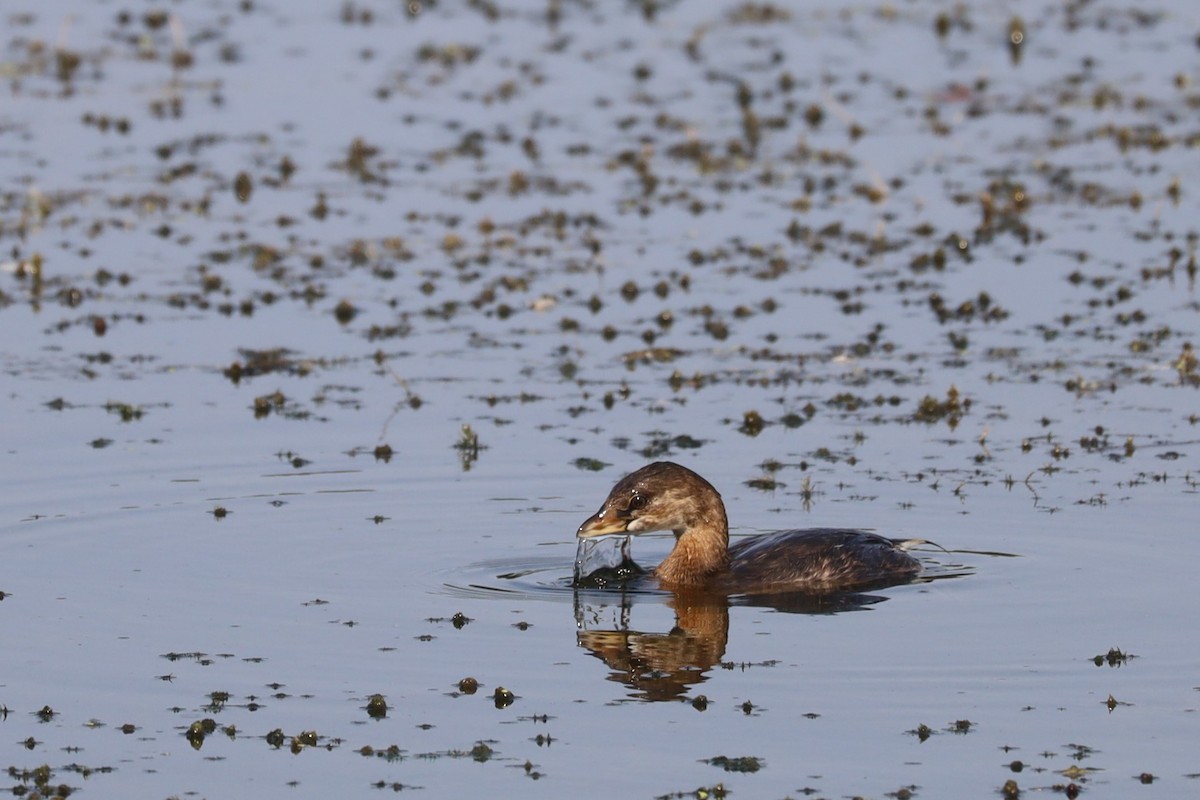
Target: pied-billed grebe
<point>667,497</point>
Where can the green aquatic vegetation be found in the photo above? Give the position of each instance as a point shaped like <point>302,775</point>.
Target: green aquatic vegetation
<point>265,404</point>
<point>764,484</point>
<point>468,447</point>
<point>651,355</point>
<point>714,792</point>
<point>737,764</point>
<point>752,423</point>
<point>482,751</point>
<point>391,753</point>
<point>199,730</point>
<point>216,701</point>
<point>126,411</point>
<point>1188,365</point>
<point>276,360</point>
<point>1113,658</point>
<point>85,771</point>
<point>981,307</point>
<point>345,312</point>
<point>377,706</point>
<point>807,492</point>
<point>847,401</point>
<point>661,444</point>
<point>40,777</point>
<point>825,454</point>
<point>952,409</point>
<point>303,740</point>
<point>792,420</point>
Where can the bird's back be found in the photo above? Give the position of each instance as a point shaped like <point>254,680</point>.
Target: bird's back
<point>818,560</point>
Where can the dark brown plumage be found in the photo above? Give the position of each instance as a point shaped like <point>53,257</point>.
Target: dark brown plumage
<point>664,496</point>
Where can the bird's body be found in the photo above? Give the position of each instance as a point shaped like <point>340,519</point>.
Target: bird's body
<point>666,496</point>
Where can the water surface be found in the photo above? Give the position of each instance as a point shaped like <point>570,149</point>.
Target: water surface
<point>881,266</point>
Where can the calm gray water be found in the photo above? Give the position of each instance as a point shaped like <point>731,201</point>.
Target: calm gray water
<point>869,266</point>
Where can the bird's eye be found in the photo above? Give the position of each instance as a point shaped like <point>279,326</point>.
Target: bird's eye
<point>637,502</point>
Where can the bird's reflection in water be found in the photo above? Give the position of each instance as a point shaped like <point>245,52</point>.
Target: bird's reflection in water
<point>655,665</point>
<point>665,665</point>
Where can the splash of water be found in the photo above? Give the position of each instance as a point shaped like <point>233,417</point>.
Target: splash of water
<point>604,562</point>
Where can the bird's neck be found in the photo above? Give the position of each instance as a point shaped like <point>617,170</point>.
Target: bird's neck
<point>701,550</point>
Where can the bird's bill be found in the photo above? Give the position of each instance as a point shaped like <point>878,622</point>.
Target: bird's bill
<point>600,524</point>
